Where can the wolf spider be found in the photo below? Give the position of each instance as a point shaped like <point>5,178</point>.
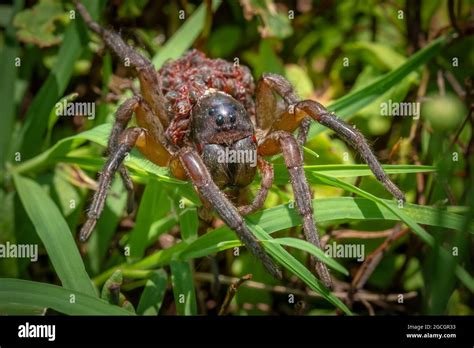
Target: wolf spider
<point>194,108</point>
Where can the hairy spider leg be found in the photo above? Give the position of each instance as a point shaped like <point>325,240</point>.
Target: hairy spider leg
<point>150,82</point>
<point>122,118</point>
<point>126,142</point>
<point>202,181</point>
<point>320,114</point>
<point>266,171</point>
<point>294,163</point>
<point>275,137</point>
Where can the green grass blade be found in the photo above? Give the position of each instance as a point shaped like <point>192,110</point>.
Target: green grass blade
<point>183,288</point>
<point>32,294</point>
<point>463,275</point>
<point>55,235</point>
<point>292,264</point>
<point>36,118</point>
<point>188,222</point>
<point>357,100</point>
<point>152,208</point>
<point>185,36</point>
<point>335,209</point>
<point>153,294</point>
<point>310,248</point>
<point>8,72</point>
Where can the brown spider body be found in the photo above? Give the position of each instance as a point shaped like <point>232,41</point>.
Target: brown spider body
<point>193,110</point>
<point>187,79</point>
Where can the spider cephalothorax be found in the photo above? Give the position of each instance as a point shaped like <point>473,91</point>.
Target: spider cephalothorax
<point>206,120</point>
<point>225,137</point>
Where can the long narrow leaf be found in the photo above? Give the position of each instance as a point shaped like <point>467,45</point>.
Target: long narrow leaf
<point>32,294</point>
<point>55,235</point>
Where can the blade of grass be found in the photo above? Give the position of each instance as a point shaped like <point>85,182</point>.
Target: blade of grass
<point>188,222</point>
<point>153,294</point>
<point>310,248</point>
<point>153,206</point>
<point>185,36</point>
<point>8,72</point>
<point>357,100</point>
<point>32,294</point>
<point>36,118</point>
<point>292,264</point>
<point>463,276</point>
<point>340,209</point>
<point>183,288</point>
<point>55,235</point>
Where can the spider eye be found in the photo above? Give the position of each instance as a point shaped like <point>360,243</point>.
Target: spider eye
<point>232,118</point>
<point>212,112</point>
<point>220,120</point>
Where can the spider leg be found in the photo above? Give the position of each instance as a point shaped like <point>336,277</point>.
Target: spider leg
<point>122,118</point>
<point>352,137</point>
<point>126,142</point>
<point>266,170</point>
<point>150,82</point>
<point>303,131</point>
<point>201,178</point>
<point>294,163</point>
<point>320,114</point>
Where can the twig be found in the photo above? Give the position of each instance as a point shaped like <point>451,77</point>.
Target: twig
<point>374,259</point>
<point>278,289</point>
<point>231,293</point>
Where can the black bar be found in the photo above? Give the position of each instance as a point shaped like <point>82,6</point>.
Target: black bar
<point>239,330</point>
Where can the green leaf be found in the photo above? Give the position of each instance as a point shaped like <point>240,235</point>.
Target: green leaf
<point>338,209</point>
<point>153,206</point>
<point>18,293</point>
<point>299,78</point>
<point>310,248</point>
<point>275,24</point>
<point>291,263</point>
<point>37,25</point>
<point>36,119</point>
<point>183,288</point>
<point>346,171</point>
<point>55,235</point>
<point>356,100</point>
<point>188,222</point>
<point>153,294</point>
<point>406,218</point>
<point>185,36</point>
<point>8,72</point>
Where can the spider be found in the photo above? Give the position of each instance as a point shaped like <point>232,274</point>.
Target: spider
<point>193,110</point>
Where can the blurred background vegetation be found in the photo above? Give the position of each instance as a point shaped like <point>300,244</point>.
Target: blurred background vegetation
<point>350,55</point>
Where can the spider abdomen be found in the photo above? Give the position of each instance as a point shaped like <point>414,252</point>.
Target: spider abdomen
<point>187,79</point>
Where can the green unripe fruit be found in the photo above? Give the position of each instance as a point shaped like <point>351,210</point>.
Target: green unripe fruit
<point>444,113</point>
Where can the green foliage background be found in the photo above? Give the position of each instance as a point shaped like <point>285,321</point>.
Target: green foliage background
<point>351,56</point>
